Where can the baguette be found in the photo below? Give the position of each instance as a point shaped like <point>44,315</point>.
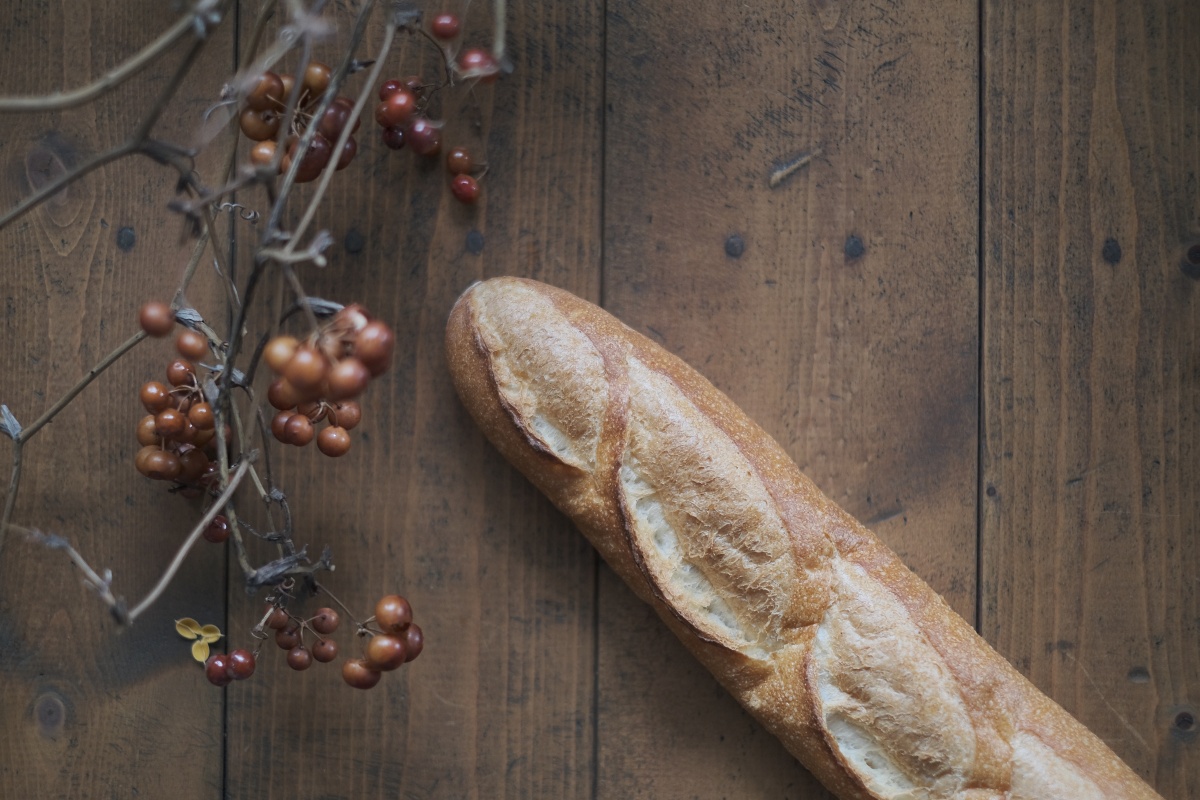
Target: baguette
<point>815,626</point>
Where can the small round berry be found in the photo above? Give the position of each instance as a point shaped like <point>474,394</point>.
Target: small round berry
<point>334,120</point>
<point>278,619</point>
<point>424,137</point>
<point>279,352</point>
<point>314,160</point>
<point>358,674</point>
<point>299,658</point>
<point>393,138</point>
<point>192,464</point>
<point>415,84</point>
<point>478,63</point>
<point>217,530</point>
<point>349,151</point>
<point>191,345</point>
<point>306,370</point>
<point>283,395</point>
<point>267,92</point>
<point>325,650</point>
<point>345,414</point>
<point>348,379</point>
<point>154,396</point>
<point>393,613</point>
<point>414,641</point>
<point>459,161</point>
<point>279,425</point>
<point>157,319</point>
<point>289,82</point>
<point>139,460</point>
<point>216,669</point>
<point>146,432</point>
<point>201,415</point>
<point>373,347</point>
<point>263,153</point>
<point>289,636</point>
<point>385,653</point>
<point>180,372</point>
<point>259,125</point>
<point>389,88</point>
<point>188,436</point>
<point>445,26</point>
<point>241,664</point>
<point>397,109</point>
<point>211,475</point>
<point>299,430</point>
<point>333,441</point>
<point>169,423</point>
<point>465,188</point>
<point>316,78</point>
<point>325,621</point>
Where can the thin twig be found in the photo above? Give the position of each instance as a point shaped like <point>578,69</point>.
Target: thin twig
<point>14,483</point>
<point>188,543</point>
<point>110,80</point>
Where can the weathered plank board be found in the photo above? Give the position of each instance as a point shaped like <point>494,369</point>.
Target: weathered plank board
<point>499,705</point>
<point>88,711</point>
<point>1090,380</point>
<point>839,309</point>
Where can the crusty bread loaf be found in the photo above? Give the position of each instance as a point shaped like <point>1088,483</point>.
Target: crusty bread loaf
<point>815,626</point>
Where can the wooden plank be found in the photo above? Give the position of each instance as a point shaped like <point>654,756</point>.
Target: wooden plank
<point>839,309</point>
<point>1090,505</point>
<point>90,711</point>
<point>499,703</point>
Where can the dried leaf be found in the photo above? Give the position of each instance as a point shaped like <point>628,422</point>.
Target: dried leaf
<point>8,423</point>
<point>200,651</point>
<point>188,628</point>
<point>189,317</point>
<point>210,633</point>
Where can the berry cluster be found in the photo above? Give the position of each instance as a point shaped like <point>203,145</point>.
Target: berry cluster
<point>320,377</point>
<point>396,641</point>
<point>263,114</point>
<point>177,434</point>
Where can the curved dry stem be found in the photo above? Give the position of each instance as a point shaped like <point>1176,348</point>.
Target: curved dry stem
<point>110,80</point>
<point>188,543</point>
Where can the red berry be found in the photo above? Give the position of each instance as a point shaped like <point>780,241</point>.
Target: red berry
<point>333,441</point>
<point>180,372</point>
<point>316,78</point>
<point>397,109</point>
<point>157,319</point>
<point>415,84</point>
<point>192,464</point>
<point>314,160</point>
<point>154,396</point>
<point>357,673</point>
<point>201,415</point>
<point>424,137</point>
<point>389,88</point>
<point>283,395</point>
<point>279,425</point>
<point>169,423</point>
<point>465,188</point>
<point>445,26</point>
<point>299,430</point>
<point>373,347</point>
<point>349,151</point>
<point>345,414</point>
<point>191,345</point>
<point>289,636</point>
<point>459,161</point>
<point>393,138</point>
<point>216,669</point>
<point>146,433</point>
<point>325,650</point>
<point>299,658</point>
<point>278,619</point>
<point>334,119</point>
<point>267,92</point>
<point>263,153</point>
<point>259,125</point>
<point>385,652</point>
<point>478,63</point>
<point>241,664</point>
<point>279,352</point>
<point>307,368</point>
<point>393,613</point>
<point>414,642</point>
<point>325,621</point>
<point>348,378</point>
<point>217,530</point>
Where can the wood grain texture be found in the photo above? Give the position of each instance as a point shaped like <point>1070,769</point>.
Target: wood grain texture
<point>88,712</point>
<point>499,704</point>
<point>838,309</point>
<point>1091,380</point>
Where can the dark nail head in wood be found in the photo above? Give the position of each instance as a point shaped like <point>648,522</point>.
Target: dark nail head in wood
<point>735,245</point>
<point>991,491</point>
<point>474,242</point>
<point>126,238</point>
<point>1190,263</point>
<point>854,247</point>
<point>354,242</point>
<point>1111,251</point>
<point>50,713</point>
<point>1185,721</point>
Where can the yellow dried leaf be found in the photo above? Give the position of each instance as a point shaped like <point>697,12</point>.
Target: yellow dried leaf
<point>210,633</point>
<point>200,651</point>
<point>187,627</point>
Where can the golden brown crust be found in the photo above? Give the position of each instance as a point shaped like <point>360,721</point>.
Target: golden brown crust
<point>861,669</point>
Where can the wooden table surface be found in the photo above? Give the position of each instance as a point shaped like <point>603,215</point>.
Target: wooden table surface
<point>970,319</point>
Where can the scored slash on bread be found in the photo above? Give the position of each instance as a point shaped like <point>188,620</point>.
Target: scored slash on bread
<point>813,624</point>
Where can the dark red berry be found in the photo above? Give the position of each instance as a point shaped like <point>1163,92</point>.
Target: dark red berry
<point>478,63</point>
<point>241,664</point>
<point>385,652</point>
<point>445,26</point>
<point>325,650</point>
<point>465,188</point>
<point>326,621</point>
<point>357,673</point>
<point>216,669</point>
<point>389,88</point>
<point>217,530</point>
<point>414,642</point>
<point>299,658</point>
<point>393,613</point>
<point>288,637</point>
<point>393,138</point>
<point>424,137</point>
